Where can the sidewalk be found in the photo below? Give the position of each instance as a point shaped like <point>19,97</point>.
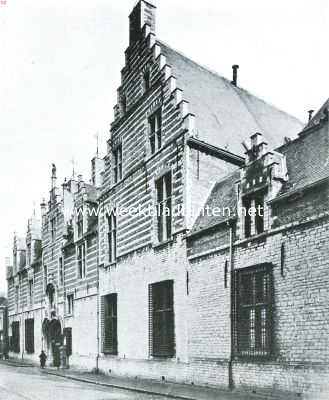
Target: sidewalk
<point>153,387</point>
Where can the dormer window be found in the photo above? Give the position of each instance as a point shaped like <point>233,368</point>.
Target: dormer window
<point>253,214</point>
<point>155,121</point>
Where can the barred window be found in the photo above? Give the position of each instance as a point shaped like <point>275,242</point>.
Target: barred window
<point>117,164</point>
<point>112,237</point>
<point>110,338</point>
<point>15,338</point>
<point>29,335</point>
<point>163,199</point>
<point>253,320</point>
<point>161,319</point>
<point>67,333</point>
<point>155,122</point>
<point>81,258</point>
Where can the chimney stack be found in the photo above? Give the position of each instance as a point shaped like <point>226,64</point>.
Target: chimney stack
<point>235,68</point>
<point>310,114</point>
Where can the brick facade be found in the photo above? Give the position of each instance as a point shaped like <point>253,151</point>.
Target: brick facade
<point>161,151</point>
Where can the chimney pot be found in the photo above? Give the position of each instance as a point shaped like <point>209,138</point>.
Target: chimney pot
<point>235,68</point>
<point>310,114</point>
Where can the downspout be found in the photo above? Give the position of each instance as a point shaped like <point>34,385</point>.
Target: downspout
<point>231,288</point>
<point>97,283</point>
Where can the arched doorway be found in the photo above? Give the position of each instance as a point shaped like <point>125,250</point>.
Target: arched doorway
<point>51,327</point>
<point>53,338</point>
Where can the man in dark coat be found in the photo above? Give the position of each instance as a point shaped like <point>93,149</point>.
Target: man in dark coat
<point>43,359</point>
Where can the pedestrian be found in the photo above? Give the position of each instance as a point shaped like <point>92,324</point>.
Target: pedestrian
<point>43,359</point>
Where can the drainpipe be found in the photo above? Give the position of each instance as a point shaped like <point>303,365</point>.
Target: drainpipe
<point>97,283</point>
<point>231,288</point>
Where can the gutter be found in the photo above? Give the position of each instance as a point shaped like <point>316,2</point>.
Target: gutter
<point>215,151</point>
<point>300,190</point>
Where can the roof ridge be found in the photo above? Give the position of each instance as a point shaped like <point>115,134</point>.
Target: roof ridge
<point>237,88</point>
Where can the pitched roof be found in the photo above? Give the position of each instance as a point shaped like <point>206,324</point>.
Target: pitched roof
<point>226,114</point>
<point>320,115</point>
<point>307,158</point>
<point>222,195</point>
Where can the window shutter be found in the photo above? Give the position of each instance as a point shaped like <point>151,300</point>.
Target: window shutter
<point>102,322</point>
<point>29,335</point>
<point>162,332</point>
<point>150,319</point>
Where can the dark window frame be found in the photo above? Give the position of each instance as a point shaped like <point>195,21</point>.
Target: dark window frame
<point>163,186</point>
<point>31,291</point>
<point>112,237</point>
<point>15,337</point>
<point>70,304</point>
<point>155,130</point>
<point>146,79</point>
<point>80,223</point>
<point>253,312</point>
<point>110,328</point>
<point>61,270</point>
<point>29,335</point>
<point>81,260</point>
<point>117,163</point>
<point>249,201</point>
<point>67,334</point>
<point>162,319</point>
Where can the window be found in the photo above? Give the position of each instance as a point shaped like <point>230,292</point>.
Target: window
<point>162,331</point>
<point>61,270</point>
<point>117,164</point>
<point>254,214</point>
<point>155,131</point>
<point>70,304</point>
<point>80,223</point>
<point>28,251</point>
<point>112,236</point>
<point>110,339</point>
<point>253,327</point>
<point>146,80</point>
<point>45,277</point>
<point>123,104</point>
<point>163,206</point>
<point>31,291</point>
<point>53,228</point>
<point>29,335</point>
<point>17,298</point>
<point>67,334</point>
<point>15,341</point>
<point>259,218</point>
<point>81,258</point>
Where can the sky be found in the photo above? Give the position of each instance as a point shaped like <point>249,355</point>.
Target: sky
<point>60,65</point>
